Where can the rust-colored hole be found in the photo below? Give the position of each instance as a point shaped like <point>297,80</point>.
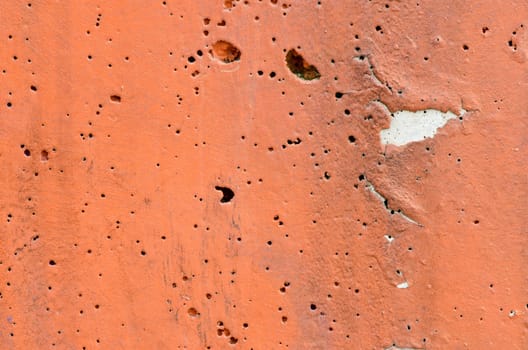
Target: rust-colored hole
<point>193,312</point>
<point>226,52</point>
<point>44,155</point>
<point>300,67</point>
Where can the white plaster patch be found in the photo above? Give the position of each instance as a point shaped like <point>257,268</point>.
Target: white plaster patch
<point>408,126</point>
<point>403,285</point>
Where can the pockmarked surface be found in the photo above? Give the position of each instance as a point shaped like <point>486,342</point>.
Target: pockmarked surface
<point>263,174</point>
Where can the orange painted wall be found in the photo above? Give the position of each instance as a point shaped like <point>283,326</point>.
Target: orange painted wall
<point>123,125</point>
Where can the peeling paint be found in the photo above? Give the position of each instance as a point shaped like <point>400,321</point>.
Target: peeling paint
<point>385,202</point>
<point>408,126</point>
<point>373,74</point>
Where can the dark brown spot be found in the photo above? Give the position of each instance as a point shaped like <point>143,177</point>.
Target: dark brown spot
<point>300,67</point>
<point>225,51</point>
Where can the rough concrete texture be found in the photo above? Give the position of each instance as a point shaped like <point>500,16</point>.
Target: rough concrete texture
<point>210,175</point>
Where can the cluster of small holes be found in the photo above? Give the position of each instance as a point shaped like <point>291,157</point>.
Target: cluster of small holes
<point>332,163</point>
<point>513,42</point>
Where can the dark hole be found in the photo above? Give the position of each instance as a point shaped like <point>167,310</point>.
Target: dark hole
<point>227,194</point>
<point>313,306</point>
<point>33,87</point>
<point>378,28</point>
<point>115,98</point>
<point>27,152</point>
<point>351,139</point>
<point>338,94</point>
<point>191,59</point>
<point>52,262</point>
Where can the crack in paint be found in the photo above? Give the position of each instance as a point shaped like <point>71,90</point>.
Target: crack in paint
<point>385,202</point>
<point>364,58</point>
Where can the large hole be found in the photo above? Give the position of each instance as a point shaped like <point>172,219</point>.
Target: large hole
<point>300,67</point>
<point>227,194</point>
<point>226,52</point>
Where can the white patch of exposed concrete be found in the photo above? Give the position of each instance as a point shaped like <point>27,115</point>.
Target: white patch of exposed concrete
<point>389,238</point>
<point>403,285</point>
<point>408,126</point>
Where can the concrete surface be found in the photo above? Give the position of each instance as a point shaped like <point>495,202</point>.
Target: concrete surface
<point>211,175</point>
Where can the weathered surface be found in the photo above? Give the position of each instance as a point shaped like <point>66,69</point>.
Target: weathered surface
<point>161,192</point>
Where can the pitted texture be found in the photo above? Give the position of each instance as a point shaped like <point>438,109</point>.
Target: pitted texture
<point>209,175</point>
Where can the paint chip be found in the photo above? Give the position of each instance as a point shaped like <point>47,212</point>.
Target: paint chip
<point>403,285</point>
